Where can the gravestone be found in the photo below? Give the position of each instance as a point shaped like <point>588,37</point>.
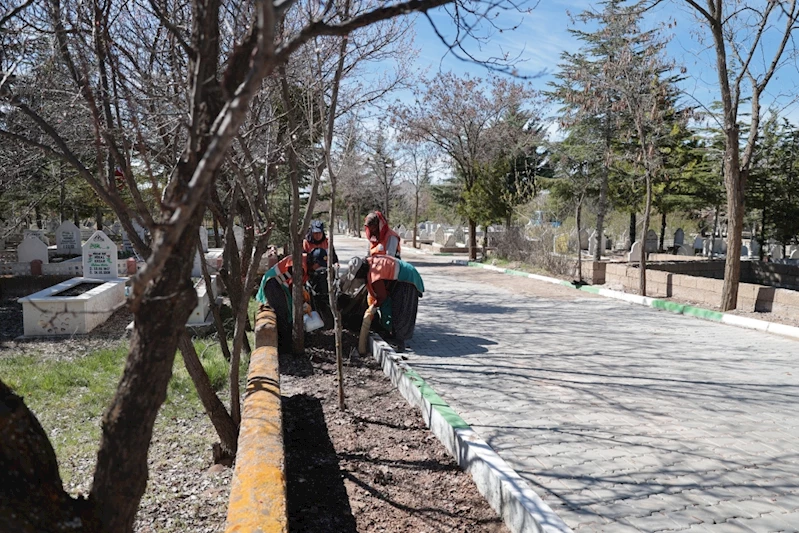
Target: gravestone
<point>401,230</point>
<point>635,253</point>
<point>592,243</point>
<point>31,249</point>
<point>561,243</point>
<point>52,225</point>
<point>754,247</point>
<point>720,246</point>
<point>100,257</point>
<point>126,245</point>
<point>685,250</point>
<point>204,238</point>
<point>776,252</point>
<point>439,237</point>
<point>450,242</point>
<point>651,241</point>
<point>679,237</point>
<point>238,234</point>
<point>744,251</point>
<point>116,229</point>
<point>699,243</point>
<point>38,233</point>
<point>795,254</point>
<point>459,234</point>
<point>67,238</point>
<point>423,236</point>
<point>583,239</point>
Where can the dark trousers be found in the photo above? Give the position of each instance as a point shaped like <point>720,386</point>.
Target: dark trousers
<point>404,305</point>
<point>276,297</point>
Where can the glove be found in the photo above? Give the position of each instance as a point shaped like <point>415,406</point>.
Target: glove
<point>371,300</point>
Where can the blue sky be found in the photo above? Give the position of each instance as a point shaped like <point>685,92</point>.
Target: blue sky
<point>542,35</point>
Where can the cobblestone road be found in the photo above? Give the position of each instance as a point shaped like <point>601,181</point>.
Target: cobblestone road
<point>621,417</point>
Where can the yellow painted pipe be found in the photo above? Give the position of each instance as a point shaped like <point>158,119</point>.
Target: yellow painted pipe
<point>258,492</point>
<point>366,325</point>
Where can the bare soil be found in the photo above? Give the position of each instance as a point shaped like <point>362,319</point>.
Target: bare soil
<point>373,466</point>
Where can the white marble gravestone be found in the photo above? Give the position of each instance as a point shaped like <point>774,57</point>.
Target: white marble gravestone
<point>679,237</point>
<point>450,242</point>
<point>795,254</point>
<point>651,241</point>
<point>100,257</point>
<point>776,251</point>
<point>635,252</point>
<point>32,248</point>
<point>67,238</point>
<point>204,238</point>
<point>440,237</point>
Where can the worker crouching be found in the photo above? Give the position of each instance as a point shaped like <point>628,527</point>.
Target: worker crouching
<point>394,288</point>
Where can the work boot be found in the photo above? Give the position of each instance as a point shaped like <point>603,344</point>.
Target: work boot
<point>400,346</point>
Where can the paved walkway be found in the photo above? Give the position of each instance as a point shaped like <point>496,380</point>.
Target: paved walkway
<point>622,418</point>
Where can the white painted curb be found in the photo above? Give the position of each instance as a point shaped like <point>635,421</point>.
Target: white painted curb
<point>510,496</point>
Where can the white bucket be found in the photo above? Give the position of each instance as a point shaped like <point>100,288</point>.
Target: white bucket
<point>313,321</point>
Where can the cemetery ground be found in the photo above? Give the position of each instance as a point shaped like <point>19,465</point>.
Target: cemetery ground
<point>373,467</point>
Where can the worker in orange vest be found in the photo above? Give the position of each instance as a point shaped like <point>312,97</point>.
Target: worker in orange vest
<point>382,239</point>
<point>275,290</point>
<point>316,238</point>
<point>394,288</point>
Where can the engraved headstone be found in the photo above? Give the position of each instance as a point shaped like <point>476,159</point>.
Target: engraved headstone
<point>450,242</point>
<point>100,257</point>
<point>67,238</point>
<point>754,247</point>
<point>32,248</point>
<point>685,250</point>
<point>795,254</point>
<point>459,235</point>
<point>776,251</point>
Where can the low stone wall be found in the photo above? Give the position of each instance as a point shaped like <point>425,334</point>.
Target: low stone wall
<point>593,271</point>
<point>703,290</point>
<point>773,274</point>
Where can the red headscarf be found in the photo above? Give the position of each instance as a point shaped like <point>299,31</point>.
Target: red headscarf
<point>382,235</point>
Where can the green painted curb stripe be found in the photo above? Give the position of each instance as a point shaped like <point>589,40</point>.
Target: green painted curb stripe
<point>452,418</point>
<point>589,288</point>
<point>515,273</point>
<point>668,306</point>
<point>707,314</point>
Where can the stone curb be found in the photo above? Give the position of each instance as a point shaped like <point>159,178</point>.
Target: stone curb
<point>510,496</point>
<point>682,309</point>
<point>258,490</point>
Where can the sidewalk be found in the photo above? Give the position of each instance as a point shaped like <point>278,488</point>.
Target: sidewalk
<point>620,417</point>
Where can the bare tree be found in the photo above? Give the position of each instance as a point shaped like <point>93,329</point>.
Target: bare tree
<point>455,114</point>
<point>752,43</point>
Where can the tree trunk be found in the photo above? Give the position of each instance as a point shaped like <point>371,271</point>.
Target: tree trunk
<point>735,219</point>
<point>226,428</point>
<point>579,251</point>
<point>38,214</point>
<point>662,232</point>
<point>98,216</point>
<point>415,218</point>
<point>632,230</point>
<point>644,229</point>
<point>120,476</point>
<point>713,234</point>
<point>472,241</point>
<point>600,216</point>
<point>32,497</point>
<point>217,236</point>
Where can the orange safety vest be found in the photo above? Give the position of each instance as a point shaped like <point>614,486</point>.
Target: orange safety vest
<point>282,269</point>
<point>381,267</point>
